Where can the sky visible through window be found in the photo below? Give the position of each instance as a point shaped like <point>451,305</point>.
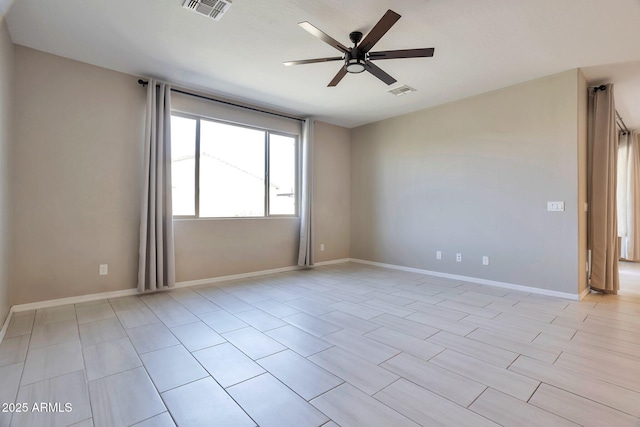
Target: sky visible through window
<point>232,170</point>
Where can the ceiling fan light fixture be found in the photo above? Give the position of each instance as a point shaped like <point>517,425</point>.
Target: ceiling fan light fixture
<point>355,65</point>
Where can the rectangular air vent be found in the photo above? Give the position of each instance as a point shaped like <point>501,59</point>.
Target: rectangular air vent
<point>210,8</point>
<point>401,90</point>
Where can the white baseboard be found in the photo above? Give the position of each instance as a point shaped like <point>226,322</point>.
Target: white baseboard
<point>235,276</point>
<point>505,285</point>
<point>73,300</point>
<point>585,293</point>
<point>5,325</point>
<point>331,262</point>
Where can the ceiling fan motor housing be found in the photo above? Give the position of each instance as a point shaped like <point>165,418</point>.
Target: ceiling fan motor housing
<point>355,59</point>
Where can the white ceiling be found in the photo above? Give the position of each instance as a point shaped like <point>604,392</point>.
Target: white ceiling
<point>481,45</point>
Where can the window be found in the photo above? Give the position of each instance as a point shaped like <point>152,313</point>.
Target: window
<point>220,170</point>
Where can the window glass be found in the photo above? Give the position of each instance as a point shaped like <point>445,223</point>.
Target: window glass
<point>282,175</point>
<point>183,165</point>
<point>232,170</point>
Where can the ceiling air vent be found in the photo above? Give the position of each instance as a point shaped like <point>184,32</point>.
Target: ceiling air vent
<point>210,8</point>
<point>401,90</point>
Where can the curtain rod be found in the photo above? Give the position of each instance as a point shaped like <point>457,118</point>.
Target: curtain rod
<point>623,127</point>
<point>144,83</point>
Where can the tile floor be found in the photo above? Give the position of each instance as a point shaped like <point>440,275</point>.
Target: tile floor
<point>347,344</point>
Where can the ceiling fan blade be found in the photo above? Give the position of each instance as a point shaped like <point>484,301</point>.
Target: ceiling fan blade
<point>403,53</point>
<point>377,71</point>
<point>379,30</point>
<point>338,77</point>
<point>324,37</point>
<point>313,61</point>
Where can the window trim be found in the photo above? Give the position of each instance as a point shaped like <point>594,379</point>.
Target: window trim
<point>267,145</point>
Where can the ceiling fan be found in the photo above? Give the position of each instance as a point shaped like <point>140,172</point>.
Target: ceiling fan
<point>358,58</point>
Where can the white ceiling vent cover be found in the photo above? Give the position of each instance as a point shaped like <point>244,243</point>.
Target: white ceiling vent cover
<point>401,90</point>
<point>210,8</point>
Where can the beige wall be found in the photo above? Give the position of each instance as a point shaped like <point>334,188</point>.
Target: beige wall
<point>331,192</point>
<point>474,177</point>
<point>76,177</point>
<point>77,172</point>
<point>6,99</point>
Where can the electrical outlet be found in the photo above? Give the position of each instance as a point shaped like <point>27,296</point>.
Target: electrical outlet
<point>555,206</point>
<point>459,257</point>
<point>485,260</point>
<point>438,254</point>
<point>321,247</point>
<point>104,269</point>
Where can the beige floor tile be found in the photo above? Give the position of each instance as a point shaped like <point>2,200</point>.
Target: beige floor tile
<point>580,410</point>
<point>227,365</point>
<point>151,337</point>
<point>285,408</point>
<point>437,310</point>
<point>175,316</point>
<point>162,420</point>
<point>443,324</point>
<point>350,407</point>
<point>124,399</point>
<point>253,343</point>
<point>52,361</point>
<point>10,380</point>
<point>372,350</point>
<point>91,313</point>
<point>19,325</point>
<point>260,320</point>
<point>509,411</point>
<point>13,350</point>
<point>488,374</point>
<point>276,308</point>
<point>196,336</point>
<point>388,307</point>
<point>126,303</point>
<point>362,374</point>
<point>469,309</point>
<point>427,408</point>
<point>409,327</point>
<point>172,367</point>
<point>476,349</point>
<point>448,384</point>
<point>298,340</point>
<point>68,391</point>
<point>101,331</point>
<point>300,375</point>
<point>625,375</point>
<point>54,333</point>
<point>55,314</point>
<point>411,345</point>
<point>199,305</point>
<point>347,321</point>
<point>505,342</point>
<point>501,327</point>
<point>357,310</point>
<point>586,386</point>
<point>204,403</point>
<point>230,303</point>
<point>309,306</point>
<point>137,317</point>
<point>110,358</point>
<point>221,321</point>
<point>314,325</point>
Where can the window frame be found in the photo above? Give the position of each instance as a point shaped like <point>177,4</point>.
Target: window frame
<point>267,144</point>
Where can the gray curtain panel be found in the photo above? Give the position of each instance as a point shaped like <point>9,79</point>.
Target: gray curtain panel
<point>628,195</point>
<point>602,170</point>
<point>305,252</point>
<point>156,269</point>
